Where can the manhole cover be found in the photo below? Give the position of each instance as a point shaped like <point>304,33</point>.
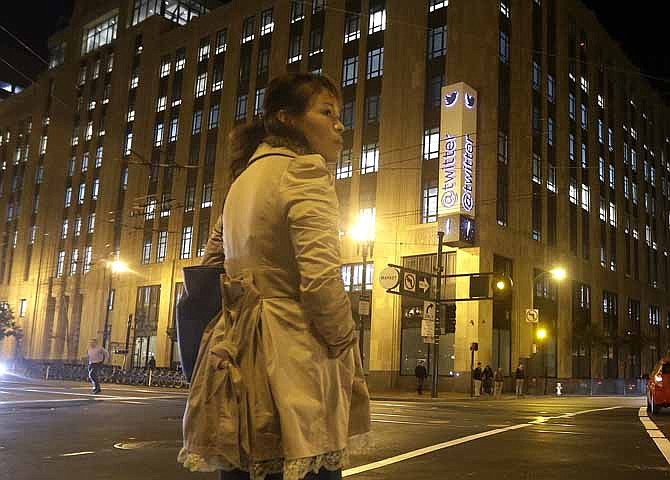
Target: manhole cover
<point>136,445</point>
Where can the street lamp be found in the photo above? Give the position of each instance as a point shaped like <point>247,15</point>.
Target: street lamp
<point>557,273</point>
<point>114,266</point>
<point>363,233</point>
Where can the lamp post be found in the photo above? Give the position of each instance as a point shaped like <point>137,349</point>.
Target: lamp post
<point>115,266</point>
<point>557,273</point>
<point>363,234</point>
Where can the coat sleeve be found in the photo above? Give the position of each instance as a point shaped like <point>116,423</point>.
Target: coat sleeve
<point>309,198</point>
<point>214,251</point>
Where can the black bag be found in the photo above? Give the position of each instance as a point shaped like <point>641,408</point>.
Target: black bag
<point>198,305</point>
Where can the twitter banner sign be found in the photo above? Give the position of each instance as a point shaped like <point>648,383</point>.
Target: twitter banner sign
<point>458,140</point>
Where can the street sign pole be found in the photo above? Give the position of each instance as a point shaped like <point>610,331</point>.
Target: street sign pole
<point>438,292</point>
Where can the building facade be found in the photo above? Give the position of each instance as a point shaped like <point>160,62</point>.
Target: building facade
<point>118,151</point>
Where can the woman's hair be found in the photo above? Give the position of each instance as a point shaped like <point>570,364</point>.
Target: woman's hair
<point>291,93</point>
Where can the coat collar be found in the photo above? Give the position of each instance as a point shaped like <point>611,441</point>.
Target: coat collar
<point>265,149</point>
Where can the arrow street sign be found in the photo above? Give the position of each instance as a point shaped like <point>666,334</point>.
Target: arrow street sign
<point>408,282</point>
<point>429,311</point>
<point>424,285</point>
<point>532,315</point>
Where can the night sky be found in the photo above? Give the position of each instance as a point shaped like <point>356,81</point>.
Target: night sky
<point>640,27</point>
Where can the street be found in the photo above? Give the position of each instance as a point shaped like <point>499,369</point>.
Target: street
<point>58,430</point>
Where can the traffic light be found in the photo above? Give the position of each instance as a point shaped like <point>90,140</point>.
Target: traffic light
<point>502,286</point>
<point>450,318</point>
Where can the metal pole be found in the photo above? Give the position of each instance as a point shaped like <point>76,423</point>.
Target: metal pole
<point>105,333</point>
<point>438,294</point>
<point>361,335</point>
<point>127,346</point>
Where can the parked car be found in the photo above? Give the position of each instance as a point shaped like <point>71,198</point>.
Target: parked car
<point>658,388</point>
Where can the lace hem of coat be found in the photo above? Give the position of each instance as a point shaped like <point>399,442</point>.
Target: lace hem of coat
<point>292,469</point>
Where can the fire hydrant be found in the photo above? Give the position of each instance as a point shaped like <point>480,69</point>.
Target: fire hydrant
<point>559,388</point>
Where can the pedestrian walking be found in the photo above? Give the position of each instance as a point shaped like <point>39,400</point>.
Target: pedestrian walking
<point>421,374</point>
<point>477,380</point>
<point>487,380</point>
<point>97,356</point>
<point>498,380</point>
<point>151,364</point>
<point>280,368</point>
<point>520,376</point>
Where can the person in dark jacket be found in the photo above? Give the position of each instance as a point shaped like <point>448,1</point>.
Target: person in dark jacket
<point>421,374</point>
<point>477,379</point>
<point>487,380</point>
<point>520,376</point>
<point>498,379</point>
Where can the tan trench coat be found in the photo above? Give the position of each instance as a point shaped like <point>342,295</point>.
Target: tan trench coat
<point>279,374</point>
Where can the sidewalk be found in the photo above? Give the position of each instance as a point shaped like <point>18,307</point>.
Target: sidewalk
<point>403,395</point>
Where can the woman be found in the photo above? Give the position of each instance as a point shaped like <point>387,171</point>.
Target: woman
<point>280,371</point>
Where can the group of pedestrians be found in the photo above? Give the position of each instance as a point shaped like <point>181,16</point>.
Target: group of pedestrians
<point>491,383</point>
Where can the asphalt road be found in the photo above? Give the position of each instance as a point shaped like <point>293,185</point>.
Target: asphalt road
<point>58,430</point>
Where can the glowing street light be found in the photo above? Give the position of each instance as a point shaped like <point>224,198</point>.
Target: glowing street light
<point>118,266</point>
<point>558,273</point>
<point>541,333</point>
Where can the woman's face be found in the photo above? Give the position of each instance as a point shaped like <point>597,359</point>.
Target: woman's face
<point>322,127</point>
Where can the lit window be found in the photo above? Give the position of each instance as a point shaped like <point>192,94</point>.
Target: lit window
<point>174,129</point>
<point>82,193</point>
<point>551,178</point>
<point>573,192</point>
<point>60,263</point>
<point>197,122</point>
<point>161,104</point>
<point>315,42</point>
<point>584,84</point>
<point>146,251</point>
<point>91,223</point>
<point>429,204</point>
<point>161,251</point>
<point>201,85</point>
<point>295,49</point>
<point>124,179</point>
<point>352,27</point>
<point>350,71</point>
<point>377,20</point>
<point>150,209</point>
<point>370,158</point>
<point>134,80</point>
<point>98,156</point>
<point>504,47</point>
<point>221,41</point>
<point>68,197</point>
<point>64,229</point>
<point>437,41</point>
<point>267,23</point>
<point>431,143</point>
<point>437,4</point>
<point>572,106</point>
<point>127,149</point>
<point>241,109</point>
<point>613,214</point>
<point>84,162</point>
<point>88,258</point>
<point>95,191</point>
<point>180,59</point>
<point>537,168</point>
<point>297,11</point>
<point>213,117</point>
<point>248,29</point>
<point>186,241</point>
<point>158,134</point>
<point>344,166</point>
<point>207,189</point>
<point>166,63</point>
<point>258,102</point>
<point>217,78</point>
<point>586,199</point>
<point>504,8</point>
<point>203,50</point>
<point>74,261</point>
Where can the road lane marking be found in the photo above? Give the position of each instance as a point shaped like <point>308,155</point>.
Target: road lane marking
<point>655,433</point>
<point>558,431</point>
<point>60,400</point>
<point>75,454</point>
<point>458,441</point>
<point>135,403</point>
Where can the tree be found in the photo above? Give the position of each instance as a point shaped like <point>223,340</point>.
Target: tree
<point>8,327</point>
